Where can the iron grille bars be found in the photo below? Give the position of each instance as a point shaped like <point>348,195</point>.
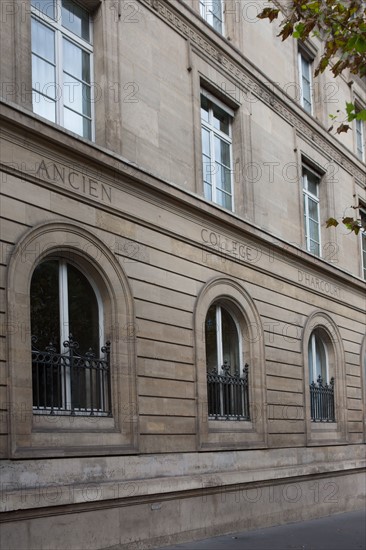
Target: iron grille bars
<point>71,383</point>
<point>228,394</point>
<point>322,401</point>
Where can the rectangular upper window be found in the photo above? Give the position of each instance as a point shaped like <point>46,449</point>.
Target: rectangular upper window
<point>62,64</point>
<point>212,12</point>
<point>305,70</point>
<point>360,139</point>
<point>310,181</point>
<point>363,239</point>
<point>216,122</point>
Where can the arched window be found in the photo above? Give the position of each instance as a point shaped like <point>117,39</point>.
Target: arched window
<point>70,370</point>
<point>227,378</point>
<point>321,385</point>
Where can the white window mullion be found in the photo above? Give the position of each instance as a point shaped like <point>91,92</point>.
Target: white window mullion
<point>363,241</point>
<point>59,78</point>
<point>360,140</point>
<point>313,363</point>
<point>92,91</point>
<point>64,330</point>
<point>64,302</point>
<point>213,161</point>
<point>307,224</point>
<point>220,355</point>
<point>309,196</point>
<point>327,375</point>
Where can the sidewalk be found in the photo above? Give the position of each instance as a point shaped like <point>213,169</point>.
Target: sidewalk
<point>338,532</point>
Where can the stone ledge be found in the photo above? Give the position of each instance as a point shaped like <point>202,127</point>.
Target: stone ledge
<point>17,496</point>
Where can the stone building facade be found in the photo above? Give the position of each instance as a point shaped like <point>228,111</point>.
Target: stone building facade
<point>170,295</point>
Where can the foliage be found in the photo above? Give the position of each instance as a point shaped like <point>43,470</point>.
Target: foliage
<point>355,225</point>
<point>341,25</point>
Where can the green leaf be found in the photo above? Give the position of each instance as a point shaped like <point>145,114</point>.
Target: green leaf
<point>352,225</point>
<point>350,110</point>
<point>299,29</point>
<point>361,115</point>
<point>332,222</point>
<point>360,45</point>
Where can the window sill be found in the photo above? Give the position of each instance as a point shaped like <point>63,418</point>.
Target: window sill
<point>228,426</point>
<point>324,426</point>
<point>326,433</point>
<point>58,423</point>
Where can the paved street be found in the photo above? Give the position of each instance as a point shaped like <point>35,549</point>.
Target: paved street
<point>337,532</point>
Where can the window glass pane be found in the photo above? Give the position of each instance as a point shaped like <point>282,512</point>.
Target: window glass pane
<point>83,311</point>
<point>359,139</point>
<point>223,178</point>
<point>313,210</point>
<point>230,340</point>
<point>222,152</point>
<point>306,90</point>
<point>87,129</point>
<point>215,7</point>
<point>208,169</point>
<point>321,368</point>
<point>217,24</point>
<point>226,180</point>
<point>77,123</point>
<point>314,230</point>
<point>76,61</point>
<point>208,166</point>
<point>206,143</point>
<point>204,108</point>
<point>44,297</point>
<point>47,7</point>
<point>75,19</point>
<point>43,77</point>
<point>223,199</point>
<point>211,339</point>
<point>305,68</point>
<point>208,191</point>
<point>76,95</point>
<point>43,41</point>
<point>221,120</point>
<point>313,183</point>
<point>314,247</point>
<point>311,361</point>
<point>306,220</point>
<point>44,106</point>
<point>45,326</point>
<point>306,84</point>
<point>307,106</point>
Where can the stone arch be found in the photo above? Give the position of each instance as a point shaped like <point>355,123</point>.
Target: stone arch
<point>70,241</point>
<point>235,434</point>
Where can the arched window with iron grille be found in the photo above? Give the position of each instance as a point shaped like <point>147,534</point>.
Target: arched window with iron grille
<point>70,363</point>
<point>227,377</point>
